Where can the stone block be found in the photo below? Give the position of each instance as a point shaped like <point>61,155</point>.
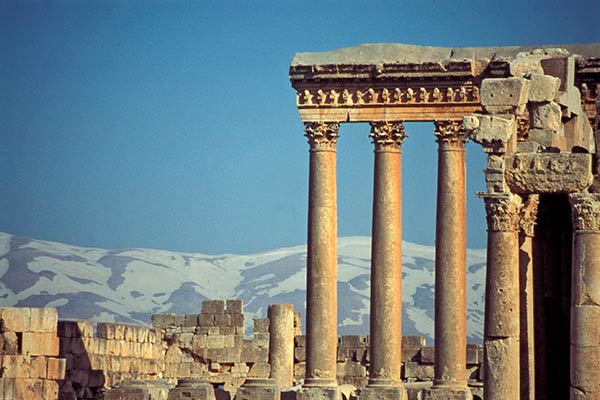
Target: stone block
<point>237,320</point>
<point>227,330</point>
<point>300,341</point>
<point>234,307</point>
<point>40,344</point>
<point>585,368</point>
<point>56,368</point>
<point>213,307</point>
<point>428,355</point>
<point>494,131</point>
<point>213,331</point>
<point>261,325</point>
<point>44,319</point>
<point>585,332</point>
<point>414,370</point>
<point>522,66</point>
<point>50,390</point>
<point>10,342</point>
<point>38,368</point>
<point>28,388</point>
<point>542,88</point>
<point>223,320</point>
<point>191,320</point>
<point>258,389</point>
<point>351,368</point>
<point>410,353</point>
<point>318,393</point>
<point>570,100</point>
<point>185,340</point>
<point>215,341</point>
<point>166,321</point>
<point>15,366</point>
<point>353,341</point>
<point>300,354</point>
<point>15,319</point>
<point>546,116</point>
<point>562,68</point>
<point>206,320</point>
<point>259,370</point>
<point>447,394</point>
<point>261,339</point>
<point>413,341</point>
<point>528,146</point>
<point>73,329</point>
<point>383,392</point>
<point>472,354</point>
<point>504,95</point>
<point>250,354</point>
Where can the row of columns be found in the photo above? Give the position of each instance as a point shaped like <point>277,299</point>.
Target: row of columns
<point>386,264</point>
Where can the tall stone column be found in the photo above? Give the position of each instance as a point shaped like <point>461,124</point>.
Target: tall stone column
<point>321,283</point>
<point>386,265</point>
<point>501,331</point>
<point>526,260</point>
<point>585,298</point>
<point>450,265</point>
<point>281,343</point>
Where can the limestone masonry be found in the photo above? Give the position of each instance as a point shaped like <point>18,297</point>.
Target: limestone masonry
<point>535,111</point>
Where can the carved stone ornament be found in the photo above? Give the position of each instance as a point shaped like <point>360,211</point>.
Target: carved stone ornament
<point>585,212</point>
<point>387,136</point>
<point>502,211</point>
<point>522,129</point>
<point>450,133</point>
<point>529,215</point>
<point>322,135</point>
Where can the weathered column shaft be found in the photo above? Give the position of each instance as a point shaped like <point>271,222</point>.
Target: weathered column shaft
<point>386,255</point>
<point>501,336</point>
<point>321,284</point>
<point>526,301</point>
<point>386,264</point>
<point>585,298</point>
<point>450,258</point>
<point>281,343</point>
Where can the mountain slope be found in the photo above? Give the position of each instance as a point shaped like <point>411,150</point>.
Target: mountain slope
<point>129,285</point>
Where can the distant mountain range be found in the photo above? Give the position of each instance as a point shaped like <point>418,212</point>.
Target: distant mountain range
<point>129,285</point>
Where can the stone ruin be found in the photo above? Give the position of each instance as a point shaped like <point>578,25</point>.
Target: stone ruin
<point>535,112</point>
<point>198,356</point>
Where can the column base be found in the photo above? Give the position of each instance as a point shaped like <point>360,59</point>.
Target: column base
<point>258,389</point>
<point>383,392</point>
<point>318,393</point>
<point>448,393</point>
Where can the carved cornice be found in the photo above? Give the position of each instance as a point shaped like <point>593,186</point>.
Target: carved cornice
<point>340,95</point>
<point>450,134</point>
<point>585,212</point>
<point>387,136</point>
<point>502,211</point>
<point>322,136</point>
<point>529,213</point>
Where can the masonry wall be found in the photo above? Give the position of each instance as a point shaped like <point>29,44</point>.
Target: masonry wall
<point>77,360</point>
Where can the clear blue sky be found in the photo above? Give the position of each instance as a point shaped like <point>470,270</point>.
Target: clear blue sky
<point>173,124</point>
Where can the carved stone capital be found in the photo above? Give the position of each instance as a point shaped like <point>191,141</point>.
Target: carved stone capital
<point>450,134</point>
<point>585,212</point>
<point>502,211</point>
<point>387,136</point>
<point>529,213</point>
<point>322,136</point>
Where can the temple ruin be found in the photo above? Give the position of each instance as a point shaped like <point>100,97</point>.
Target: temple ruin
<point>534,111</point>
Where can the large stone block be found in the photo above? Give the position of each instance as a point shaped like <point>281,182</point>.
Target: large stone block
<point>73,329</point>
<point>492,131</point>
<point>562,68</point>
<point>318,393</point>
<point>40,344</point>
<point>163,321</point>
<point>44,319</point>
<point>261,325</point>
<point>234,307</point>
<point>585,368</point>
<point>414,370</point>
<point>384,393</point>
<point>413,341</point>
<point>213,307</point>
<point>447,394</point>
<point>504,95</point>
<point>548,172</point>
<point>15,319</point>
<point>542,88</point>
<point>546,116</point>
<point>15,366</point>
<point>258,389</point>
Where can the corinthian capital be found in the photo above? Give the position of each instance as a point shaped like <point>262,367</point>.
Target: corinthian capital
<point>387,136</point>
<point>450,133</point>
<point>585,212</point>
<point>529,213</point>
<point>322,135</point>
<point>502,211</point>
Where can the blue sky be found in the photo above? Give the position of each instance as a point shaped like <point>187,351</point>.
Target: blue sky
<point>173,124</point>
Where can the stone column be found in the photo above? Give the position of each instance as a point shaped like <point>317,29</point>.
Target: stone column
<point>450,265</point>
<point>321,282</point>
<point>526,301</point>
<point>386,265</point>
<point>501,331</point>
<point>281,343</point>
<point>585,298</point>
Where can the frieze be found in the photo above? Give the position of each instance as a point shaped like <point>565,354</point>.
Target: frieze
<point>322,136</point>
<point>548,173</point>
<point>502,211</point>
<point>376,96</point>
<point>585,212</point>
<point>387,136</point>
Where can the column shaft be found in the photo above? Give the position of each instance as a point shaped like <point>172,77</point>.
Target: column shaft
<point>450,258</point>
<point>501,336</point>
<point>281,344</point>
<point>585,298</point>
<point>321,285</point>
<point>526,301</point>
<point>386,265</point>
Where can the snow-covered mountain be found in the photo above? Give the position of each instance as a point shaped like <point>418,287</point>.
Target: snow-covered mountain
<point>129,285</point>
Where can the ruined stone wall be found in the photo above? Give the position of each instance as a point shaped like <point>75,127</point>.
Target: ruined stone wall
<point>30,366</point>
